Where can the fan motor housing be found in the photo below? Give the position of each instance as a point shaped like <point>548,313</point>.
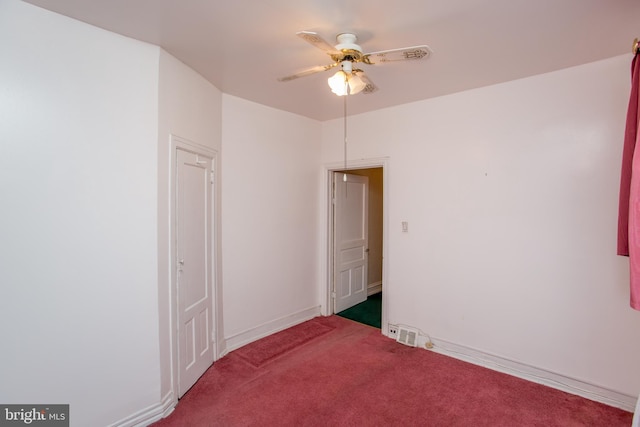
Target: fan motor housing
<point>348,55</point>
<point>347,48</point>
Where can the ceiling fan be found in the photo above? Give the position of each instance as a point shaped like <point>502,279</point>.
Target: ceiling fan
<point>345,54</point>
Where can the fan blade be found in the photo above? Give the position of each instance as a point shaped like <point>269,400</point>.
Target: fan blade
<point>308,71</point>
<point>402,54</point>
<point>370,87</point>
<point>317,41</point>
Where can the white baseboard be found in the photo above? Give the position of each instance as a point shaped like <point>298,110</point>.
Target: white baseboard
<point>156,412</point>
<point>374,288</point>
<point>537,375</point>
<point>250,335</point>
<point>168,404</point>
<point>149,414</point>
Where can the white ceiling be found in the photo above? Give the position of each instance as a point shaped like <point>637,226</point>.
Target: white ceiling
<point>243,46</point>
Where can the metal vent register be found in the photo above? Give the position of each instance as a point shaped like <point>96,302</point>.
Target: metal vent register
<point>407,337</point>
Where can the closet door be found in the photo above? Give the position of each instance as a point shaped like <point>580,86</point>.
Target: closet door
<point>194,266</point>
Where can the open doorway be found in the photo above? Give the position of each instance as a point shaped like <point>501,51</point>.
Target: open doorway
<point>369,308</point>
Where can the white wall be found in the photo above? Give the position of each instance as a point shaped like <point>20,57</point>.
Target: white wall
<point>269,214</point>
<point>511,194</point>
<point>78,183</point>
<point>191,108</point>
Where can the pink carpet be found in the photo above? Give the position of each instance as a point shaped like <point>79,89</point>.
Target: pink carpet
<point>351,375</point>
<point>267,348</point>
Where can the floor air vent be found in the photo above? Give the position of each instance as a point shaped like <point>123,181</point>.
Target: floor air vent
<point>407,337</point>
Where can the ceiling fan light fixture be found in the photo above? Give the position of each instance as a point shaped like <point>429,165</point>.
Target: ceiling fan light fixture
<point>343,83</point>
<point>337,83</point>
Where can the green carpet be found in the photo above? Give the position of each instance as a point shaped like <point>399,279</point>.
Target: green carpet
<point>368,312</point>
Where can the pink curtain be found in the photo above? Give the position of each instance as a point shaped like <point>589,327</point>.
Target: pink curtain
<point>629,204</point>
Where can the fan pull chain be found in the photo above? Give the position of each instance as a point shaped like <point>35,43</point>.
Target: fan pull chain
<point>344,176</point>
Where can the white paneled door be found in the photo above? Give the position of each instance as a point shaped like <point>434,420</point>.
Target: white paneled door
<point>193,266</point>
<point>350,240</point>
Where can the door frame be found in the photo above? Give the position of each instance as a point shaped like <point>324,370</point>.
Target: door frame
<point>216,291</point>
<point>327,259</point>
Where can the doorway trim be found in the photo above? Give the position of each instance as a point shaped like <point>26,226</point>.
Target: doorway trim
<point>327,230</point>
<point>216,338</point>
